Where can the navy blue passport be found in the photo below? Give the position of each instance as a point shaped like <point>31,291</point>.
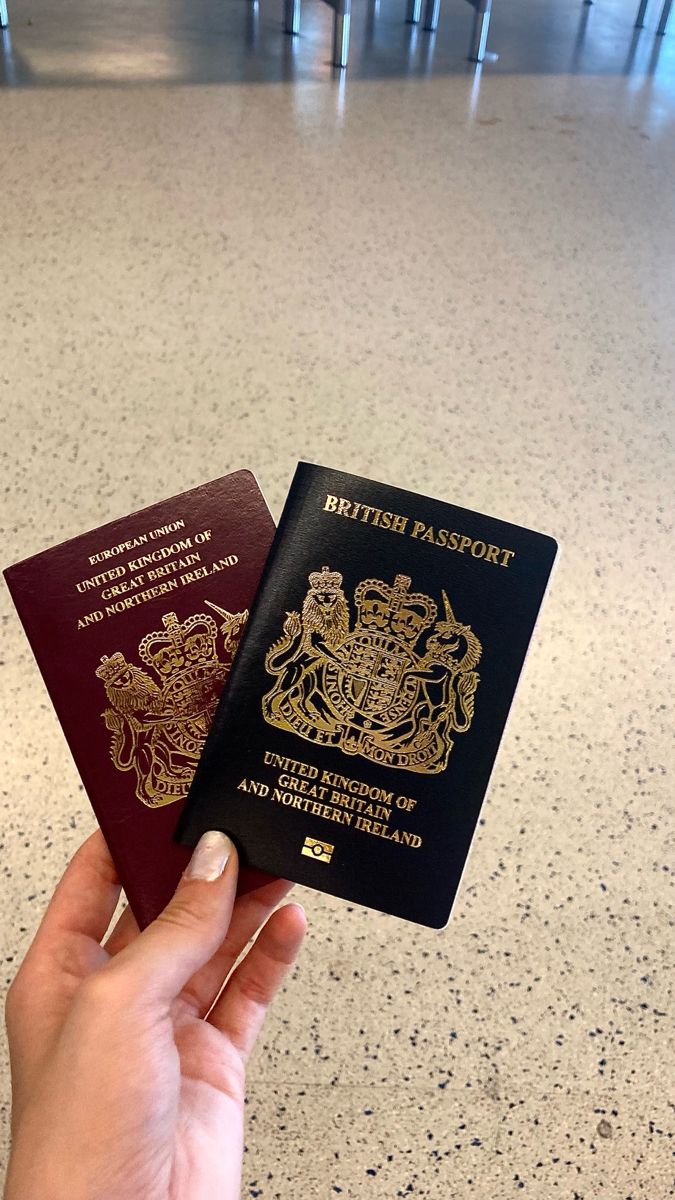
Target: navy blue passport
<point>352,749</point>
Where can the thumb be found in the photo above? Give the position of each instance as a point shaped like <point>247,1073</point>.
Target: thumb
<point>192,926</point>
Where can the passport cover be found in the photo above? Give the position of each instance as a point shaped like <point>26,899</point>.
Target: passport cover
<point>353,747</point>
<point>134,627</point>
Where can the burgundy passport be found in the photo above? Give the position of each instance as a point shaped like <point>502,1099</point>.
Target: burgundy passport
<point>134,627</point>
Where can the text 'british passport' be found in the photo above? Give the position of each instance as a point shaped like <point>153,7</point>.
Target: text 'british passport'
<point>134,627</point>
<point>353,746</point>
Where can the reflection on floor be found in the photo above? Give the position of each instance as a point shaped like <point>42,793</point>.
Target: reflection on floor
<point>75,42</point>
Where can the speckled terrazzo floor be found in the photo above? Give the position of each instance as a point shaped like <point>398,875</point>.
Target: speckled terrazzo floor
<point>460,284</point>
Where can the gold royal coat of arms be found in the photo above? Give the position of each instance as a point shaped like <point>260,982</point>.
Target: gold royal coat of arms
<point>159,725</point>
<point>392,689</point>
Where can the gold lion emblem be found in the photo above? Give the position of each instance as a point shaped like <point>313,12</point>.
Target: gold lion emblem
<point>392,689</point>
<point>159,725</point>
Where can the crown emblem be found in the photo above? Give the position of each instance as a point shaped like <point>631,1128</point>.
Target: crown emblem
<point>325,580</point>
<point>190,644</point>
<point>392,688</point>
<point>112,668</point>
<point>394,608</point>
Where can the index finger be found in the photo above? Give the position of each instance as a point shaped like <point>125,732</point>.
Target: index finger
<point>85,897</point>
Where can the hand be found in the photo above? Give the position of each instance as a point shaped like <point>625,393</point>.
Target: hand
<point>127,1078</point>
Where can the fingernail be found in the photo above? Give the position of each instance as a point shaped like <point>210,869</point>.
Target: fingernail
<point>209,856</point>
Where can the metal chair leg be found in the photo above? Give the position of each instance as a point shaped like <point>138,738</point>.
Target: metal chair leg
<point>665,13</point>
<point>431,14</point>
<point>292,16</point>
<point>4,19</point>
<point>641,13</point>
<point>372,13</point>
<point>414,11</point>
<point>341,23</point>
<point>479,35</point>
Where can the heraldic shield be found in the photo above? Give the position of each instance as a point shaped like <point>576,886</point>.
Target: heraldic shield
<point>159,724</point>
<point>394,689</point>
